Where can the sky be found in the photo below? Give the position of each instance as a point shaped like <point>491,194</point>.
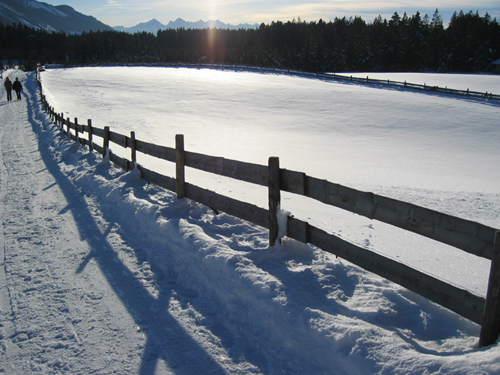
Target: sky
<point>131,12</point>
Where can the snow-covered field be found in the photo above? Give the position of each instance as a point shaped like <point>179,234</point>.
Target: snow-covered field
<point>105,273</point>
<point>436,151</point>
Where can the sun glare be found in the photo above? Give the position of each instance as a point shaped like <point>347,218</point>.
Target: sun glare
<point>212,35</point>
<point>212,10</point>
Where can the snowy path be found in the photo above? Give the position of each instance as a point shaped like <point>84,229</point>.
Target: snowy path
<point>63,309</point>
<point>101,273</point>
<point>51,299</point>
<point>75,298</point>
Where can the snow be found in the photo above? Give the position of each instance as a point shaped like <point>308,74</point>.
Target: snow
<point>45,7</point>
<point>475,82</point>
<point>104,273</point>
<point>408,145</point>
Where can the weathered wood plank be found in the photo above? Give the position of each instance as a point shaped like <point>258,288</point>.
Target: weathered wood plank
<point>161,152</point>
<point>180,162</point>
<point>68,122</point>
<point>98,148</point>
<point>157,178</point>
<point>491,324</point>
<point>77,130</point>
<point>253,173</point>
<point>90,134</point>
<point>121,162</point>
<point>119,139</point>
<point>453,298</point>
<point>98,132</point>
<point>133,153</point>
<point>243,210</point>
<point>105,140</point>
<point>293,182</point>
<point>274,199</point>
<point>469,236</point>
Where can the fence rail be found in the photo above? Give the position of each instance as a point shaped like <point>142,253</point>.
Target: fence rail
<point>415,86</point>
<point>469,236</point>
<point>367,80</point>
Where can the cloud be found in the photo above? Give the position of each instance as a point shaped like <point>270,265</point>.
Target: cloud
<point>123,6</point>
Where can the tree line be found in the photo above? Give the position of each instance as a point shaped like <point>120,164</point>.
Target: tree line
<point>470,43</point>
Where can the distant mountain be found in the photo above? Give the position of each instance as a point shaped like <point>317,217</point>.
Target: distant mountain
<point>151,27</point>
<point>47,17</point>
<point>154,25</point>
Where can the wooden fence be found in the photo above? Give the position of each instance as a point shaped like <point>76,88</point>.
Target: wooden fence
<point>472,237</point>
<point>384,82</point>
<point>408,85</point>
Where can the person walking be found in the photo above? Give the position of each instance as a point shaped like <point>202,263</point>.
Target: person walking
<point>8,88</point>
<point>18,87</point>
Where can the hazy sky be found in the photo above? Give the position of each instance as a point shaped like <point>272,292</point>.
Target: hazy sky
<point>131,12</point>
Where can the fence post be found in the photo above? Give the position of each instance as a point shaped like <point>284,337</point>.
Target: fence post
<point>91,145</point>
<point>77,131</point>
<point>105,144</point>
<point>180,158</point>
<point>274,198</point>
<point>68,134</point>
<point>490,329</point>
<point>132,147</point>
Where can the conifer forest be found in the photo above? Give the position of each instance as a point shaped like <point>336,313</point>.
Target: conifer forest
<point>468,43</point>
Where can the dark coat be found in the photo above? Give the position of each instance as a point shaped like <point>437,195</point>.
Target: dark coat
<point>8,85</point>
<point>17,86</point>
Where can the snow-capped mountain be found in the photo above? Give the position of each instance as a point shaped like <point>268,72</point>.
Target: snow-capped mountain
<point>47,17</point>
<point>154,25</point>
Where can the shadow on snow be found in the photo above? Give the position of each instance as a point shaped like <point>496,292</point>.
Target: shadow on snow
<point>166,338</point>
